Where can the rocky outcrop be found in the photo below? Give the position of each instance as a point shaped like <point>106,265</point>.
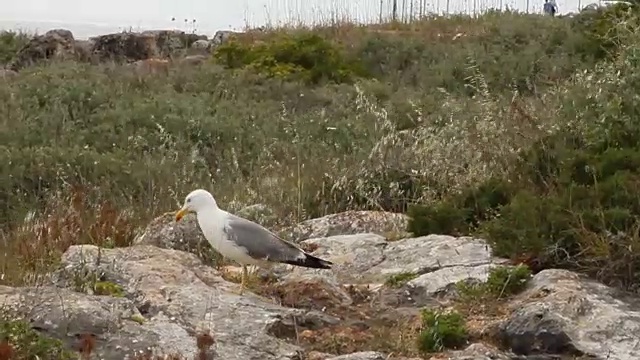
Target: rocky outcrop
<point>132,46</point>
<point>564,313</point>
<point>119,47</point>
<point>54,44</point>
<point>166,233</point>
<point>160,295</point>
<point>222,36</point>
<point>348,222</point>
<point>165,298</point>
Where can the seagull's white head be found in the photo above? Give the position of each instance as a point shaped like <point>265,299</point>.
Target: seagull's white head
<point>197,201</point>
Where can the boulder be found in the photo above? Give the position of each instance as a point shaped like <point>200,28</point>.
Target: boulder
<point>562,312</point>
<point>436,261</point>
<point>160,299</point>
<point>185,235</point>
<point>346,223</point>
<point>222,36</point>
<point>125,46</point>
<point>133,46</point>
<point>54,44</point>
<point>201,45</point>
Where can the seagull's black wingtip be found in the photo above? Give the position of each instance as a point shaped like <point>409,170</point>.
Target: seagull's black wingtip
<point>311,261</point>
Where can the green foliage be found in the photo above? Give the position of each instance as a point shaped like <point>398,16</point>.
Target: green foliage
<point>398,280</point>
<point>513,50</point>
<point>304,56</point>
<point>461,213</point>
<point>443,219</point>
<point>10,43</point>
<point>504,281</point>
<point>29,344</point>
<point>441,331</point>
<point>108,288</point>
<point>602,27</point>
<point>580,208</point>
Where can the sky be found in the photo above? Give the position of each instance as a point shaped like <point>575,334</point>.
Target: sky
<point>92,17</point>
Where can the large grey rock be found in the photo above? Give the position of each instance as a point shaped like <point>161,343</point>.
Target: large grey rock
<point>431,265</point>
<point>185,235</point>
<point>348,223</point>
<point>222,36</point>
<point>476,351</point>
<point>436,260</point>
<point>54,44</point>
<point>201,44</point>
<point>562,312</point>
<point>175,294</point>
<point>365,355</point>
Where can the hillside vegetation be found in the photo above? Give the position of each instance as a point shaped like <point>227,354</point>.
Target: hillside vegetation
<point>455,120</point>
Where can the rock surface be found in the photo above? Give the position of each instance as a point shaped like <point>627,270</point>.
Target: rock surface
<point>54,44</point>
<point>120,47</point>
<point>476,351</point>
<point>158,295</point>
<point>564,313</point>
<point>185,235</point>
<point>346,223</point>
<point>436,261</point>
<point>176,295</point>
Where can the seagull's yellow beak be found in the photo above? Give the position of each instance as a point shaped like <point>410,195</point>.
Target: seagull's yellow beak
<point>181,213</point>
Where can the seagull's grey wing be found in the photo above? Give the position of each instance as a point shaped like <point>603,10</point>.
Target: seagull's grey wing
<point>260,243</point>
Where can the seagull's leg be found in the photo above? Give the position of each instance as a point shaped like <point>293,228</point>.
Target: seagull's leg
<point>243,278</point>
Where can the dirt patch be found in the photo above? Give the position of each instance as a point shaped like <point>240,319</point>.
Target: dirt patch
<point>363,323</point>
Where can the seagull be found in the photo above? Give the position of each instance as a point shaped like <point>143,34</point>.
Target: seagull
<point>242,240</point>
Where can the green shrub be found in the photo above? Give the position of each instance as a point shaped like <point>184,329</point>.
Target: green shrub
<point>443,218</point>
<point>460,214</point>
<point>10,43</point>
<point>579,206</point>
<point>603,30</point>
<point>29,344</point>
<point>305,56</point>
<point>504,281</point>
<point>398,280</point>
<point>441,331</point>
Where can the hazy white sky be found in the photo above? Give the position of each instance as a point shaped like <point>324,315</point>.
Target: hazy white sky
<point>92,17</point>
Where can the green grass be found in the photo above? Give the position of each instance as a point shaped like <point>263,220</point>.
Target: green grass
<point>10,43</point>
<point>503,282</point>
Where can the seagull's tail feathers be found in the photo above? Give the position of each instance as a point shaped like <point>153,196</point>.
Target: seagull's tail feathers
<point>310,261</point>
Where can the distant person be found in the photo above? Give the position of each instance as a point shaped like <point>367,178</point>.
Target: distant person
<point>550,7</point>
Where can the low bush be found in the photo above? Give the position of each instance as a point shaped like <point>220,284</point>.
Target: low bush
<point>305,56</point>
<point>441,330</point>
<point>10,43</point>
<point>571,201</point>
<point>19,341</point>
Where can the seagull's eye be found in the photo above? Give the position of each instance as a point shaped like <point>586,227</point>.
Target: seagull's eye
<point>189,200</point>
